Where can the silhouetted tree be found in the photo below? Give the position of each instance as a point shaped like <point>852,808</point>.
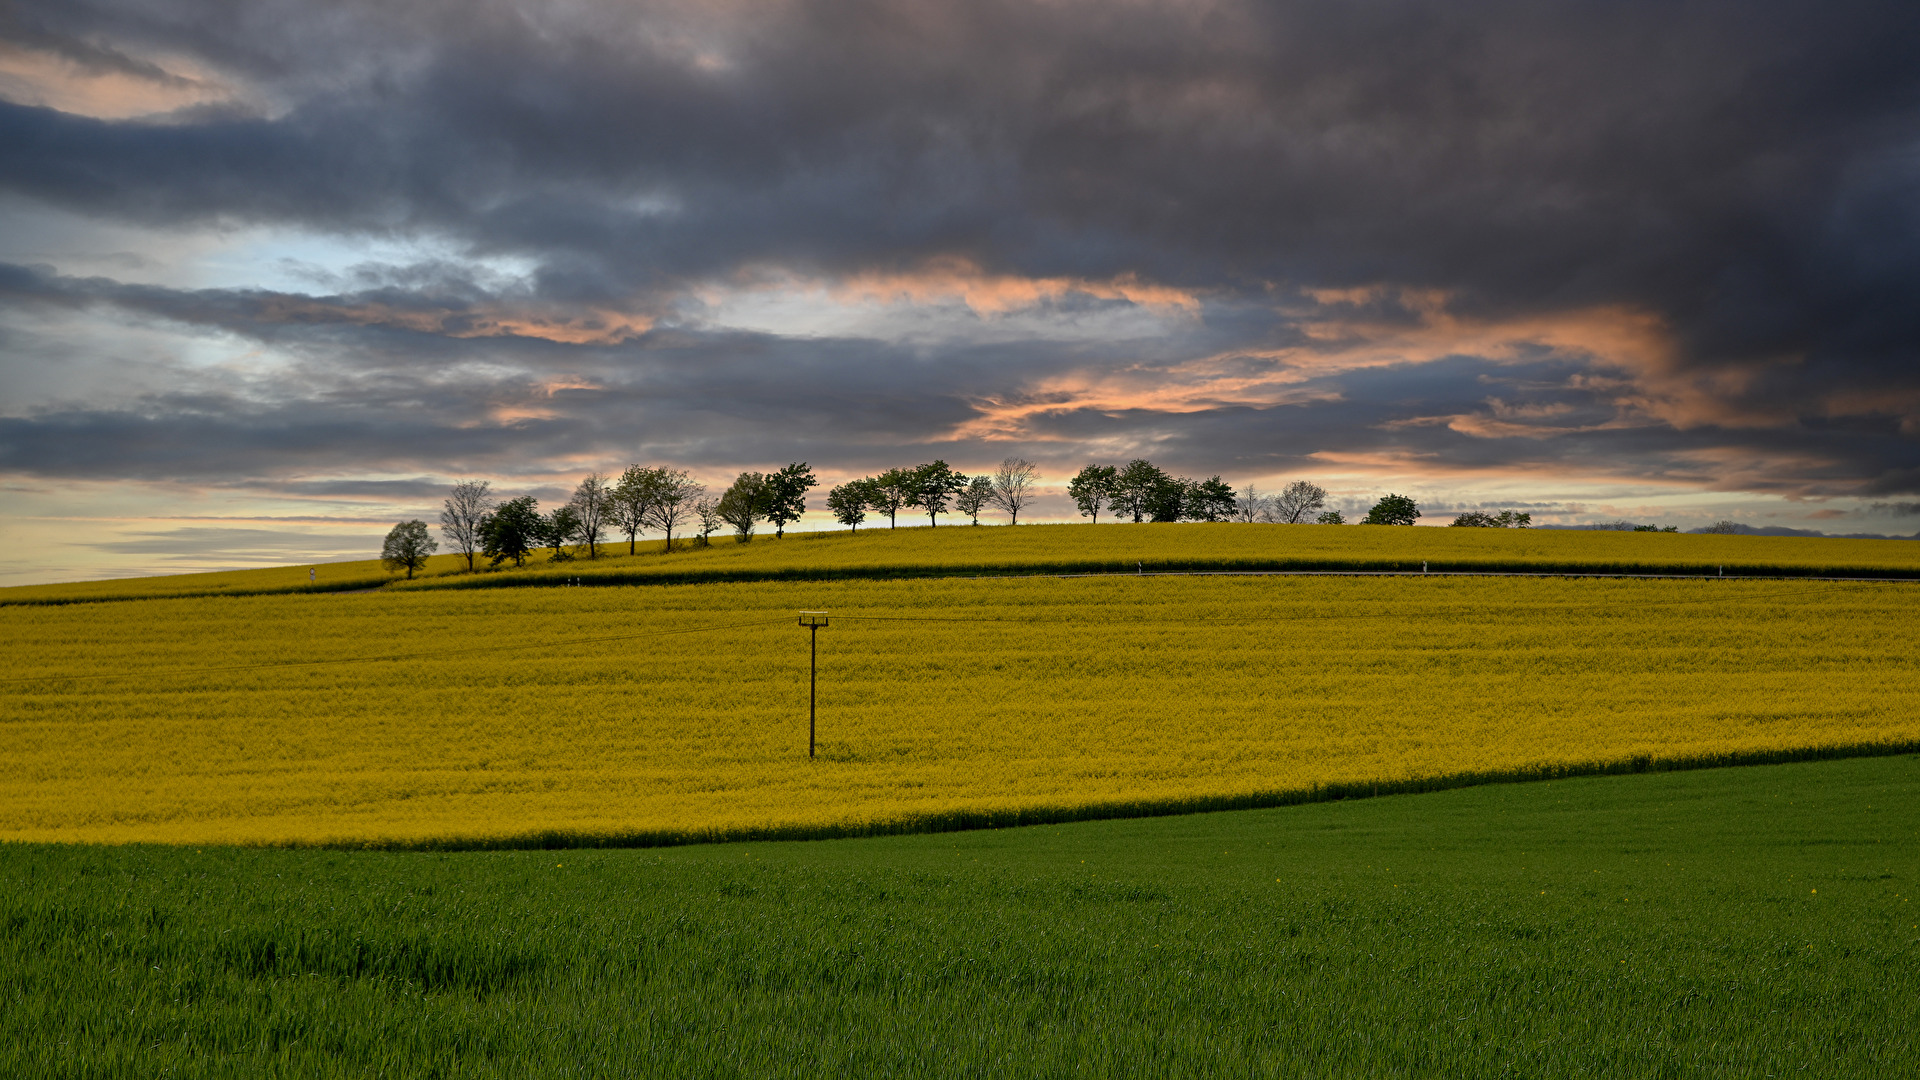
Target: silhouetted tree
<point>978,493</point>
<point>592,505</point>
<point>562,528</point>
<point>1012,487</point>
<point>935,485</point>
<point>673,499</point>
<point>744,504</point>
<point>1137,488</point>
<point>408,546</point>
<point>512,531</point>
<point>895,490</point>
<point>1393,510</point>
<point>1211,499</point>
<point>467,505</point>
<point>787,495</point>
<point>1092,488</point>
<point>1298,500</point>
<point>850,502</point>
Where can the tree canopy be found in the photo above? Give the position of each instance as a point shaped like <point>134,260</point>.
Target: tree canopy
<point>407,546</point>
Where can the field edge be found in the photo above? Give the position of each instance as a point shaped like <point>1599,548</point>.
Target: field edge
<point>983,818</point>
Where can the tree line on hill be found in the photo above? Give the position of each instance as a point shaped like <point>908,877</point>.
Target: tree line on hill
<point>659,499</point>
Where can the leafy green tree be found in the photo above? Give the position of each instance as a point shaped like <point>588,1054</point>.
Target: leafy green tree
<point>1011,487</point>
<point>1137,489</point>
<point>935,485</point>
<point>672,501</point>
<point>978,493</point>
<point>407,546</point>
<point>1091,488</point>
<point>592,507</point>
<point>512,531</point>
<point>1393,510</point>
<point>850,502</point>
<point>632,502</point>
<point>1505,519</point>
<point>1171,498</point>
<point>1211,500</point>
<point>562,528</point>
<point>1298,500</point>
<point>744,504</point>
<point>787,495</point>
<point>467,505</point>
<point>893,491</point>
<point>1331,517</point>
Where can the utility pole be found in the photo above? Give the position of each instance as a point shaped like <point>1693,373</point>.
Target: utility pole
<point>813,621</point>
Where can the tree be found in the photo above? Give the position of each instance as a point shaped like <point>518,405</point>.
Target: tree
<point>849,502</point>
<point>1136,488</point>
<point>1393,510</point>
<point>1171,499</point>
<point>744,504</point>
<point>1297,501</point>
<point>1091,488</point>
<point>935,485</point>
<point>894,490</point>
<point>1656,528</point>
<point>1722,528</point>
<point>633,500</point>
<point>979,492</point>
<point>1505,519</point>
<point>1331,517</point>
<point>706,512</point>
<point>562,528</point>
<point>1250,506</point>
<point>1211,500</point>
<point>787,496</point>
<point>672,500</point>
<point>408,546</point>
<point>512,531</point>
<point>592,505</point>
<point>467,505</point>
<point>1012,487</point>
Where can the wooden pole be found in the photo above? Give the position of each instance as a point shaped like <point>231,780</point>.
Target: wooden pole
<point>813,680</point>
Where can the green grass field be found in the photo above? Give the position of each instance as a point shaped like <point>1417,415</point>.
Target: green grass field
<point>1736,922</point>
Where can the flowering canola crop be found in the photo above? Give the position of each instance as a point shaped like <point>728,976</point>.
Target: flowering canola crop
<point>588,715</point>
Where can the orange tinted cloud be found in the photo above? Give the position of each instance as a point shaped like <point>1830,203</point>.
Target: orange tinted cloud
<point>592,326</point>
<point>33,77</point>
<point>948,278</point>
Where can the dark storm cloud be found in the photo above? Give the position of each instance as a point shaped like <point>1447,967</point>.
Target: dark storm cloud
<point>1745,173</point>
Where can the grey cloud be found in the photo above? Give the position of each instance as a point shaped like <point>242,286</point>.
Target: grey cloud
<point>1742,172</point>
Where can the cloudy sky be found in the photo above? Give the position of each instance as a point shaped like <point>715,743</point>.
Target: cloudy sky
<point>273,273</point>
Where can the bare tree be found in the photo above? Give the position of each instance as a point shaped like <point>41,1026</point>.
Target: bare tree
<point>1013,485</point>
<point>467,505</point>
<point>1722,527</point>
<point>706,514</point>
<point>1251,506</point>
<point>1293,505</point>
<point>674,500</point>
<point>593,505</point>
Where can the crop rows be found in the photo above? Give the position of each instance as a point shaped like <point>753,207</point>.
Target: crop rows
<point>576,716</point>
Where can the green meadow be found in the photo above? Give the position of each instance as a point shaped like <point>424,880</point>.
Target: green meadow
<point>1735,922</point>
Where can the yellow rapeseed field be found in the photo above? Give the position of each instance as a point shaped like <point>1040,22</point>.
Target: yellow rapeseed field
<point>589,714</point>
<point>1104,548</point>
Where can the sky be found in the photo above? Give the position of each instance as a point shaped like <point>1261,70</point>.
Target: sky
<point>273,274</point>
